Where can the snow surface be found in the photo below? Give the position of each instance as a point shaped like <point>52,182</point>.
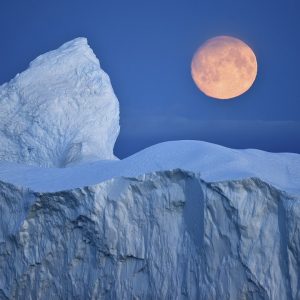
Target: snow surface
<point>213,162</point>
<point>60,111</point>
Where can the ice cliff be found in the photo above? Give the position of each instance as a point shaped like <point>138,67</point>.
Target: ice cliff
<point>61,110</point>
<point>179,220</point>
<point>164,235</point>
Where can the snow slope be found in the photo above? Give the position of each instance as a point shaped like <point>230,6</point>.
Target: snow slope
<point>212,162</point>
<point>59,111</point>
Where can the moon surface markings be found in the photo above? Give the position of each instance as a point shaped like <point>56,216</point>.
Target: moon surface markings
<point>224,67</point>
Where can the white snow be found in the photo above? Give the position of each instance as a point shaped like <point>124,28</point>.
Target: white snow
<point>60,111</point>
<point>213,162</point>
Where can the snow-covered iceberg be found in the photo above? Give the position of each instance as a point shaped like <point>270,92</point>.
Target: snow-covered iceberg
<point>179,220</point>
<point>61,110</point>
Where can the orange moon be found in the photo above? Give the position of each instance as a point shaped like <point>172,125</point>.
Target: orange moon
<point>224,67</point>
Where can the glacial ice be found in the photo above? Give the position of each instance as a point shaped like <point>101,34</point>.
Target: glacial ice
<point>60,111</point>
<point>178,220</point>
<point>163,235</point>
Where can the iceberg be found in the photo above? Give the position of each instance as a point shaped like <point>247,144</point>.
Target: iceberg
<point>178,220</point>
<point>60,111</point>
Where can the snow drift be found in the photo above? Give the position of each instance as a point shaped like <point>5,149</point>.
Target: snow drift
<point>179,220</point>
<point>213,162</point>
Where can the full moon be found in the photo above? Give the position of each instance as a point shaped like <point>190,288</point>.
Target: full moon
<point>224,67</point>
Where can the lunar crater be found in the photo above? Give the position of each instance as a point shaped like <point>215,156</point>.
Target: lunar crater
<point>224,67</point>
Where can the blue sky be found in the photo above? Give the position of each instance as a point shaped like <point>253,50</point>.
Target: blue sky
<point>146,47</point>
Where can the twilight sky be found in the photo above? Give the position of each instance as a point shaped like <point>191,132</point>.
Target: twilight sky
<point>146,47</point>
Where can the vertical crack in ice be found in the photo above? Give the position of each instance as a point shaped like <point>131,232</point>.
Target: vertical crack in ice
<point>194,211</point>
<point>282,222</point>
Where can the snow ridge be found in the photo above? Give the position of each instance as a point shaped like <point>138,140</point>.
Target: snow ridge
<point>213,162</point>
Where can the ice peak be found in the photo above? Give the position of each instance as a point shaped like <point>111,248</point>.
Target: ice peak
<point>61,110</point>
<point>75,42</point>
<point>78,48</point>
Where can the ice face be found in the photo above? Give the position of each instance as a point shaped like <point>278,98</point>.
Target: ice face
<point>164,235</point>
